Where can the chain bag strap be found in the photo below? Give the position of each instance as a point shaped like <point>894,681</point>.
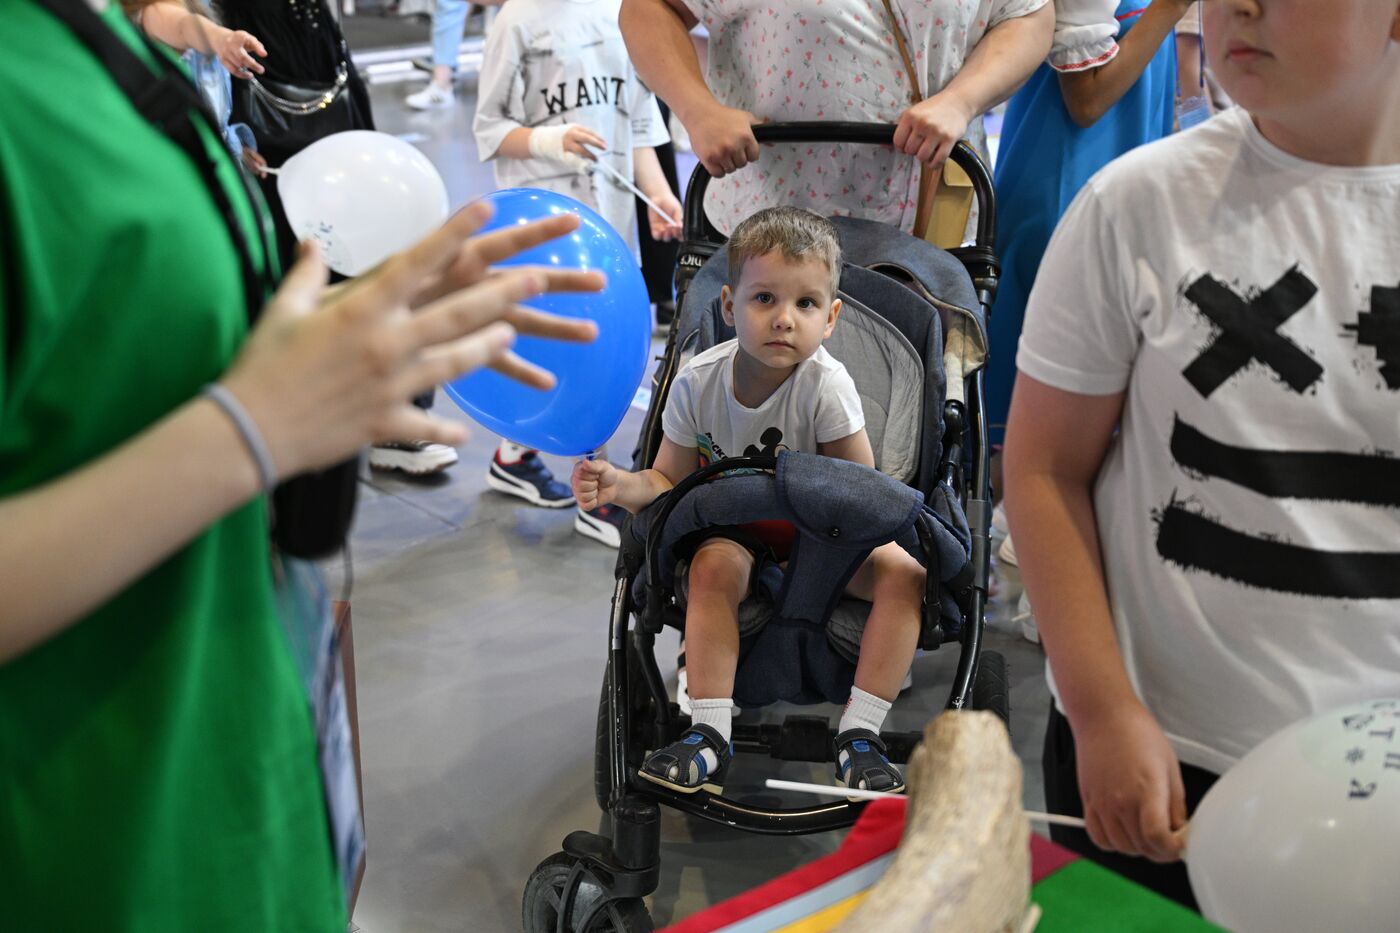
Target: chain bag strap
<point>286,116</point>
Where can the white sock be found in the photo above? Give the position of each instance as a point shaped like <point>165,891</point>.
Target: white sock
<point>510,452</point>
<point>718,716</point>
<point>863,711</point>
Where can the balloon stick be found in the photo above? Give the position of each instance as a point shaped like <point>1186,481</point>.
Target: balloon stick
<point>599,163</point>
<point>1055,819</point>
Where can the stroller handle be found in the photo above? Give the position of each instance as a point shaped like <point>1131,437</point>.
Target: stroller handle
<point>698,229</point>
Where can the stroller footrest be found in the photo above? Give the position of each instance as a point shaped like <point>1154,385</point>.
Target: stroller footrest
<point>810,738</point>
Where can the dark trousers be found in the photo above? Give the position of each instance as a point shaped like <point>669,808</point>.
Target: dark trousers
<point>1062,796</point>
<point>658,257</point>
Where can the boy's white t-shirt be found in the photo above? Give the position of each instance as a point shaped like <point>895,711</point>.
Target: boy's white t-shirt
<point>1249,509</point>
<point>817,404</point>
<point>551,62</point>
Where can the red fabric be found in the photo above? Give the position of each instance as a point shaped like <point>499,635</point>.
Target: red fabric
<point>777,535</point>
<point>876,833</point>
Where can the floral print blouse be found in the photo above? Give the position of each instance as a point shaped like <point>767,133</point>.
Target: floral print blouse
<point>789,60</point>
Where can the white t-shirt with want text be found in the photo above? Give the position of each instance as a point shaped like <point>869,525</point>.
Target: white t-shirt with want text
<point>1248,303</point>
<point>816,405</point>
<point>551,62</point>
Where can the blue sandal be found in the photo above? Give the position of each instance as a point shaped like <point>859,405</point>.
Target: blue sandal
<point>866,766</point>
<point>680,766</point>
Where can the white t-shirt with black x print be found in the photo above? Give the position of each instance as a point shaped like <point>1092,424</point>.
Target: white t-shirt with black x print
<point>816,405</point>
<point>1249,510</point>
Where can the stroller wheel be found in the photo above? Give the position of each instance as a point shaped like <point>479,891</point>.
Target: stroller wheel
<point>991,689</point>
<point>545,895</point>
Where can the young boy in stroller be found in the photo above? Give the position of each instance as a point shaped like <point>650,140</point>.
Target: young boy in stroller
<point>772,388</point>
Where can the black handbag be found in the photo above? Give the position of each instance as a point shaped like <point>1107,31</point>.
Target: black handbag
<point>311,513</point>
<point>290,116</point>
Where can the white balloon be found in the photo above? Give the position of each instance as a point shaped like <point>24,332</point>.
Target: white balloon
<point>1303,834</point>
<point>363,196</point>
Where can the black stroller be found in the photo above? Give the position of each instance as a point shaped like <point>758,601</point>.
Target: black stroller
<point>912,336</point>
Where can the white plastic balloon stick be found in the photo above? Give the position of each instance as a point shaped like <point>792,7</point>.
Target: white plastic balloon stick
<point>627,183</point>
<point>832,791</point>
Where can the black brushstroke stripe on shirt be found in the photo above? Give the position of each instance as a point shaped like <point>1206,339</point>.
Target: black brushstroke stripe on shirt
<point>1370,479</point>
<point>1197,543</point>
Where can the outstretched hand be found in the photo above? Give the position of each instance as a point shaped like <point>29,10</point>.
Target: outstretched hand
<point>325,373</point>
<point>594,483</point>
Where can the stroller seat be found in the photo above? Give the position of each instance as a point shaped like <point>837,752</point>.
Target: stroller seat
<point>841,511</point>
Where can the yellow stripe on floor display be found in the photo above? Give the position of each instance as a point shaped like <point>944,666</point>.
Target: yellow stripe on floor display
<point>826,919</point>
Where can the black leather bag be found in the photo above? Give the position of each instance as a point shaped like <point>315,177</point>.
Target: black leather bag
<point>289,117</point>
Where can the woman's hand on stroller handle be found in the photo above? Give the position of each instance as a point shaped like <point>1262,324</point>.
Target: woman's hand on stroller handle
<point>723,138</point>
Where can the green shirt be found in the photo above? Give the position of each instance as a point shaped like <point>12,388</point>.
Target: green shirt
<point>158,765</point>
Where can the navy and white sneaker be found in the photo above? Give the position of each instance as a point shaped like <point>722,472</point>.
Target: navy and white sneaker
<point>603,524</point>
<point>528,479</point>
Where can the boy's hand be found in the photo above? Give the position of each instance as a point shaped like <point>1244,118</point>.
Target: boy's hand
<point>578,138</point>
<point>255,162</point>
<point>1130,782</point>
<point>594,483</point>
<point>661,228</point>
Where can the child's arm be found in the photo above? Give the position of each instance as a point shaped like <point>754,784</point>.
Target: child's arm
<point>183,30</point>
<point>544,142</point>
<point>501,105</point>
<point>597,482</point>
<point>1090,93</point>
<point>855,448</point>
<point>646,168</point>
<point>1129,776</point>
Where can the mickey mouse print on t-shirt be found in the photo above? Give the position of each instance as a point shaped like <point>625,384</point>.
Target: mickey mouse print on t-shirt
<point>1252,330</point>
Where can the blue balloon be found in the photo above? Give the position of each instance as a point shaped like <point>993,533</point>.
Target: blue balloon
<point>597,381</point>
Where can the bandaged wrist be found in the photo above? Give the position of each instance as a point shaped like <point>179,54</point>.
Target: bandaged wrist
<point>547,142</point>
<point>247,430</point>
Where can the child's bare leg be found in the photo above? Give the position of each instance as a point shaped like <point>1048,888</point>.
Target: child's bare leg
<point>719,581</point>
<point>893,582</point>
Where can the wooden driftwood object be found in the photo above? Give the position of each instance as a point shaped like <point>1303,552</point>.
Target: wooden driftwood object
<point>963,865</point>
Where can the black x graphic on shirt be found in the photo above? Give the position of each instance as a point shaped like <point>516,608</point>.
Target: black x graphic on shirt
<point>1249,331</point>
<point>1380,328</point>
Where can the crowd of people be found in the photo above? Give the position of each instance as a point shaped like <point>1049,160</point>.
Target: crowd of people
<point>1189,352</point>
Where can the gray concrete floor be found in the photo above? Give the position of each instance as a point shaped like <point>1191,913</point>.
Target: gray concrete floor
<point>480,634</point>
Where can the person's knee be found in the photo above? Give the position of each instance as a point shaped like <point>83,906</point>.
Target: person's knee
<point>720,568</point>
<point>897,574</point>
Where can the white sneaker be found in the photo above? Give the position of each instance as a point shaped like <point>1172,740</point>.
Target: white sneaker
<point>999,519</point>
<point>1024,615</point>
<point>1006,554</point>
<point>416,457</point>
<point>431,97</point>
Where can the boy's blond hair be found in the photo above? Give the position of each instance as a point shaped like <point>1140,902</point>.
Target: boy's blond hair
<point>796,233</point>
